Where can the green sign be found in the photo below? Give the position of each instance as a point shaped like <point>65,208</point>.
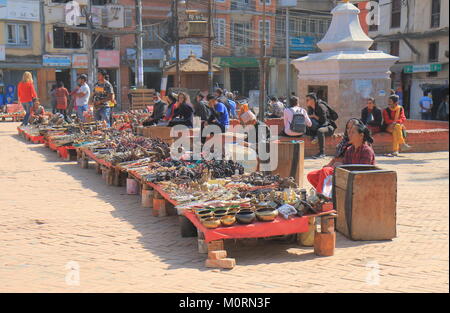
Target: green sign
<point>237,62</point>
<point>423,68</point>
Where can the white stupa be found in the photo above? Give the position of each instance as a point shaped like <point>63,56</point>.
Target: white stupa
<point>346,66</point>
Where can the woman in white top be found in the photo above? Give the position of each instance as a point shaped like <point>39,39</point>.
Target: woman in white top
<point>289,115</point>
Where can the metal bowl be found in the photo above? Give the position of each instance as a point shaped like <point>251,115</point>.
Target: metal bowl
<point>245,216</point>
<point>211,222</point>
<point>204,213</point>
<point>228,220</point>
<point>221,212</point>
<point>266,214</point>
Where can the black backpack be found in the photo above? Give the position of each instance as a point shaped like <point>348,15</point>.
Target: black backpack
<point>332,115</point>
<point>298,124</point>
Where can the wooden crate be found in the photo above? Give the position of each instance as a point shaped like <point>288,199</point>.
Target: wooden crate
<point>141,98</point>
<point>291,161</point>
<point>366,202</point>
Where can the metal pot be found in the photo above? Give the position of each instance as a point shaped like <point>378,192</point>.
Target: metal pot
<point>266,214</point>
<point>228,220</point>
<point>211,222</point>
<point>245,216</point>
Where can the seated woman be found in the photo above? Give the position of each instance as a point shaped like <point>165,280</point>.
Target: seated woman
<point>359,152</point>
<point>183,114</point>
<point>394,117</point>
<point>372,116</point>
<point>343,145</point>
<point>289,114</point>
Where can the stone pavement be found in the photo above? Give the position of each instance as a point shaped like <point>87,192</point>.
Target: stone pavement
<point>56,218</point>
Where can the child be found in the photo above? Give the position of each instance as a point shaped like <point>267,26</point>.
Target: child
<point>37,112</point>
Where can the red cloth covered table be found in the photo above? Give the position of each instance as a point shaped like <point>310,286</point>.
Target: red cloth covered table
<point>278,227</point>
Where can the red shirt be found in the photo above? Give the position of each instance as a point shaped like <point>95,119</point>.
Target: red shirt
<point>61,98</point>
<point>26,92</point>
<point>361,155</point>
<point>389,116</point>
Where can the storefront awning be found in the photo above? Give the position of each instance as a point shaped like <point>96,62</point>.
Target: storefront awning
<point>19,65</point>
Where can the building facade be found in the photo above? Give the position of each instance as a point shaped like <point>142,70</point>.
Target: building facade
<point>417,32</point>
<point>20,41</point>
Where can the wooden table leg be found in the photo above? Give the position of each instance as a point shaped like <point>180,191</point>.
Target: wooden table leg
<point>325,241</point>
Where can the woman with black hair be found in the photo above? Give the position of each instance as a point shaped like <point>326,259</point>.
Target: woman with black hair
<point>360,152</point>
<point>172,101</point>
<point>183,114</point>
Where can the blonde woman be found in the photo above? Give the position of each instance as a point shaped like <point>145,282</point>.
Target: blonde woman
<point>26,94</point>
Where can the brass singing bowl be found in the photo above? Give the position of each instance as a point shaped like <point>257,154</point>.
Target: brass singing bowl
<point>245,216</point>
<point>222,212</point>
<point>233,210</point>
<point>228,220</point>
<point>211,222</point>
<point>266,214</point>
<point>203,213</point>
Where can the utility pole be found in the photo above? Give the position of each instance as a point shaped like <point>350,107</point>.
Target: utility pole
<point>210,46</point>
<point>139,47</point>
<point>89,46</point>
<point>288,65</point>
<point>262,83</point>
<point>177,48</point>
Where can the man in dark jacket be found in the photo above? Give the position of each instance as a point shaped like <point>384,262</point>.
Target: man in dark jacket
<point>222,99</point>
<point>321,124</point>
<point>201,108</point>
<point>372,117</point>
<point>159,109</point>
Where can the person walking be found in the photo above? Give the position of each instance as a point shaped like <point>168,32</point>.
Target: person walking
<point>394,118</point>
<point>52,96</point>
<point>322,125</point>
<point>62,100</point>
<point>232,104</point>
<point>26,93</point>
<point>103,94</point>
<point>82,97</point>
<point>442,112</point>
<point>426,105</point>
<point>372,116</point>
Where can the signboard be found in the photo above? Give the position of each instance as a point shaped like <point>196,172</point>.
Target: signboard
<point>423,68</point>
<point>2,53</point>
<point>80,61</point>
<point>147,54</point>
<point>287,3</point>
<point>238,62</point>
<point>108,58</point>
<point>186,51</point>
<point>20,10</point>
<point>56,60</point>
<point>303,43</point>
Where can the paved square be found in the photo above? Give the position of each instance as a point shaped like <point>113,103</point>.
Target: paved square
<point>57,220</point>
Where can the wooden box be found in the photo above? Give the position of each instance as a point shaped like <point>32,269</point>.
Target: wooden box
<point>291,160</point>
<point>365,199</point>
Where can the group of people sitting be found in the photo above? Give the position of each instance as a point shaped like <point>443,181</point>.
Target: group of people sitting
<point>214,109</point>
<point>318,121</point>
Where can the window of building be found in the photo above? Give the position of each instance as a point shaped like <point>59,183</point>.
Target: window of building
<point>435,13</point>
<point>66,40</point>
<point>267,32</point>
<point>219,31</point>
<point>395,48</point>
<point>60,1</point>
<point>104,43</point>
<point>304,26</point>
<point>322,28</point>
<point>241,34</point>
<point>433,52</point>
<point>312,26</point>
<point>396,13</point>
<point>18,34</point>
<point>268,2</point>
